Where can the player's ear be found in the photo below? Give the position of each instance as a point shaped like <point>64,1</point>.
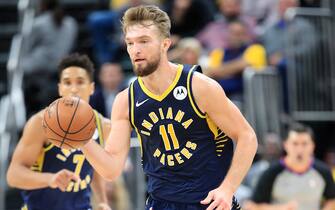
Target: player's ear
<point>92,87</point>
<point>60,90</point>
<point>167,43</point>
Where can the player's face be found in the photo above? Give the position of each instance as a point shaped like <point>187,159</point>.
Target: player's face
<point>145,47</point>
<point>74,81</point>
<point>299,146</point>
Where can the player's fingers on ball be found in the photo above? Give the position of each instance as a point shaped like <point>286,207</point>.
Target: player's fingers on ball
<point>208,199</point>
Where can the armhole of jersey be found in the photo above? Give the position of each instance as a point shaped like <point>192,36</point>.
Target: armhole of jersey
<point>99,126</point>
<point>38,165</point>
<point>48,147</point>
<point>190,94</point>
<point>131,104</point>
<point>131,114</point>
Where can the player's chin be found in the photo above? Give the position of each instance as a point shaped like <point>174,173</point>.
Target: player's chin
<point>139,71</point>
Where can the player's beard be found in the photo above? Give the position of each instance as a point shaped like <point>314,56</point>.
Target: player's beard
<point>145,69</point>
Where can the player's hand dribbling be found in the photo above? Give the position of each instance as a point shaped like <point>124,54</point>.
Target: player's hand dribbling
<point>221,199</point>
<point>62,179</point>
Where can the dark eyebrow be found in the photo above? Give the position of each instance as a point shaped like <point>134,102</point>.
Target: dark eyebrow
<point>79,77</point>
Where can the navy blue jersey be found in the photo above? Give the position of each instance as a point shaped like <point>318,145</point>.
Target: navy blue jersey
<point>184,154</point>
<point>53,159</point>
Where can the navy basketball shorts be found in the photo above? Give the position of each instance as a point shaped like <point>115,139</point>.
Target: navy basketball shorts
<point>152,204</point>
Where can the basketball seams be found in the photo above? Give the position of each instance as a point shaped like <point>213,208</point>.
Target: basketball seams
<point>68,139</point>
<point>69,145</point>
<point>59,125</point>
<point>49,127</point>
<point>64,138</point>
<point>73,114</point>
<point>83,126</point>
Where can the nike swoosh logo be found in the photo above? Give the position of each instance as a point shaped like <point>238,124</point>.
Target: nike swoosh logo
<point>140,103</point>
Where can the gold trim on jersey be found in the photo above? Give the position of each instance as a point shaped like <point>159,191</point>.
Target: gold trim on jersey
<point>131,89</point>
<point>99,126</point>
<point>48,147</point>
<point>195,108</point>
<point>140,139</point>
<point>220,137</point>
<point>167,91</point>
<point>39,162</point>
<point>132,97</point>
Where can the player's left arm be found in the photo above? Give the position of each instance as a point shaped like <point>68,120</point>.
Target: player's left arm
<point>212,100</point>
<point>98,183</point>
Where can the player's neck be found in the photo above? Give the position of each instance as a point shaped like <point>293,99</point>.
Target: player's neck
<point>161,79</point>
<point>298,166</point>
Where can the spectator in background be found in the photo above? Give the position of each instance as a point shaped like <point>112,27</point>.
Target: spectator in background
<point>295,38</point>
<point>106,31</point>
<point>298,181</point>
<point>215,34</point>
<point>188,51</point>
<point>263,11</point>
<point>270,151</point>
<point>52,37</point>
<point>297,32</point>
<point>111,83</point>
<point>188,17</point>
<point>227,64</point>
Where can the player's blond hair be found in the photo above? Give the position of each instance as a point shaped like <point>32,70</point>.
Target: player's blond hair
<point>144,14</point>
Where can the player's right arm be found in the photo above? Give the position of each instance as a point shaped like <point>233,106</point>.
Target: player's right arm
<point>26,153</point>
<point>109,162</point>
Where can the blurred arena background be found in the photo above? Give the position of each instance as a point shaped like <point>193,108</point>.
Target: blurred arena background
<point>293,81</point>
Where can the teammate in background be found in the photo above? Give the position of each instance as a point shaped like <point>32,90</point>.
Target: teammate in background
<point>53,178</point>
<point>184,122</point>
<point>298,181</point>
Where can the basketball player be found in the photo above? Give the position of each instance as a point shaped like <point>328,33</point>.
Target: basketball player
<point>53,178</point>
<point>186,125</point>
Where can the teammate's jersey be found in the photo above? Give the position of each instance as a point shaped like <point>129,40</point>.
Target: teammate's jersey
<point>183,153</point>
<point>53,159</point>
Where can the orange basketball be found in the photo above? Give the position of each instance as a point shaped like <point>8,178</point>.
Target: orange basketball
<point>69,122</point>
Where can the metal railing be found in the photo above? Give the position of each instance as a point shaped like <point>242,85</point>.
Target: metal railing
<point>12,108</point>
<point>311,74</point>
<point>263,100</point>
